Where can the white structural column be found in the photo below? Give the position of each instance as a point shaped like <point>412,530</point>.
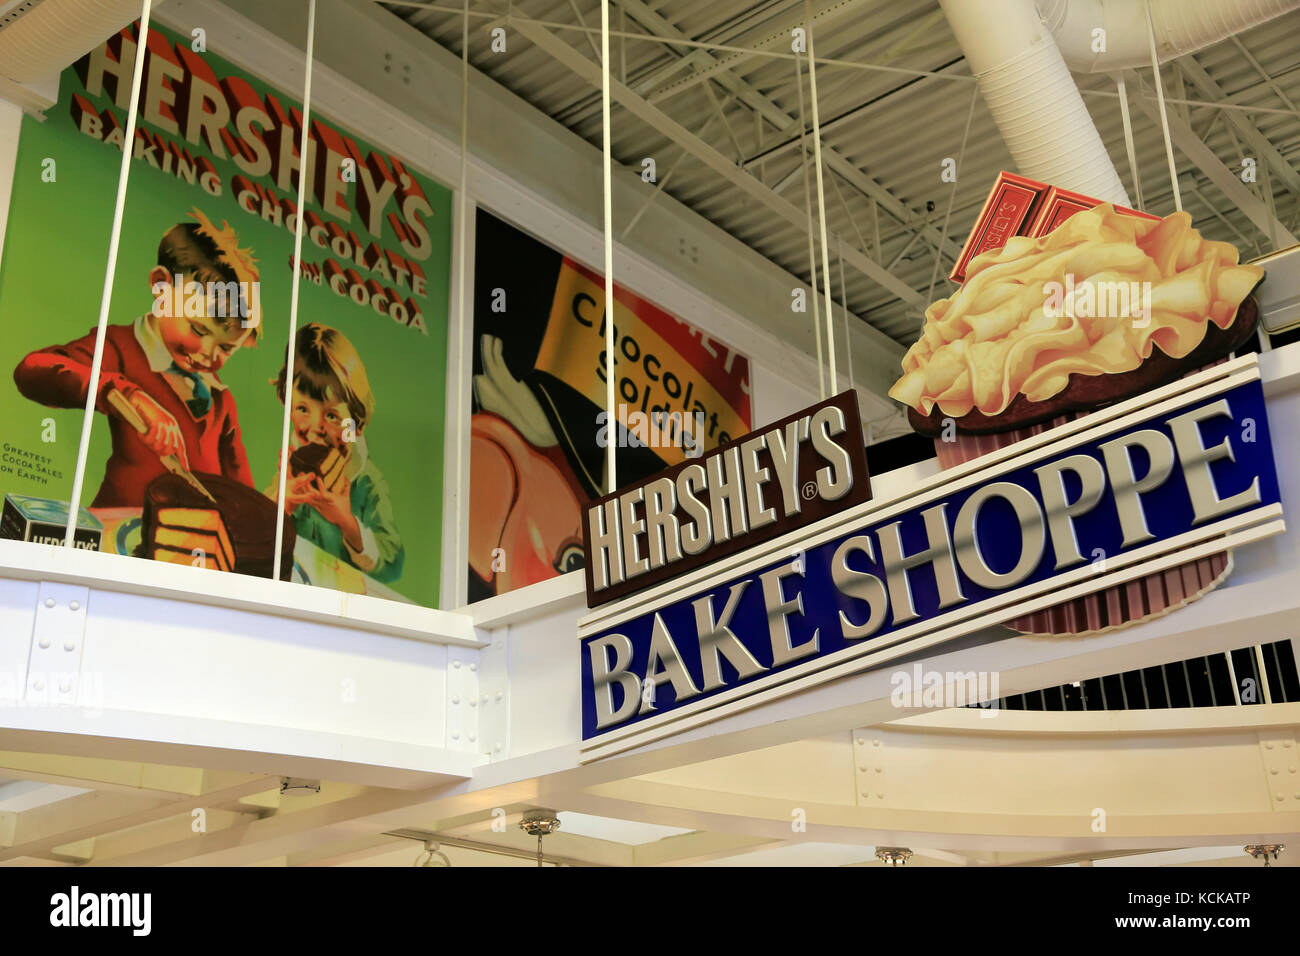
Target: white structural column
<point>821,195</point>
<point>304,155</point>
<point>106,298</point>
<point>611,421</point>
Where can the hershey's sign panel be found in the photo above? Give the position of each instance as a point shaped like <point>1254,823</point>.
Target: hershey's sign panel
<point>772,481</point>
<point>1103,505</point>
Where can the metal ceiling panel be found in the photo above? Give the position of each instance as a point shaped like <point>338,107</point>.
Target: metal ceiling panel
<point>895,95</point>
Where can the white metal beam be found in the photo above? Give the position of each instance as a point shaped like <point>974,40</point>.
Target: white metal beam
<point>778,117</point>
<point>1202,80</point>
<point>657,119</point>
<point>52,827</point>
<point>699,847</point>
<point>95,773</point>
<point>284,834</point>
<point>1209,163</point>
<point>825,14</point>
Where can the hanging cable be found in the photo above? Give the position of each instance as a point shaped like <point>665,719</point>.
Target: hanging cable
<point>611,421</point>
<point>821,193</point>
<point>952,195</point>
<point>539,823</point>
<point>304,154</point>
<point>1164,116</point>
<point>844,302</point>
<point>1122,88</point>
<point>106,297</point>
<point>812,257</point>
<point>431,852</point>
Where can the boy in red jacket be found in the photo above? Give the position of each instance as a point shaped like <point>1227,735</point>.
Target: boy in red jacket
<point>165,364</point>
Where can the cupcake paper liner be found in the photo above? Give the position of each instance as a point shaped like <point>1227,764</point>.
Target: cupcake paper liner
<point>1117,606</point>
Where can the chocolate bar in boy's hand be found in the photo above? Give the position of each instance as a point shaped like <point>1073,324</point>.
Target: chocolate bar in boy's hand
<point>320,460</point>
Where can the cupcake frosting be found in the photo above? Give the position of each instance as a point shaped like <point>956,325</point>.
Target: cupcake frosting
<point>1094,296</point>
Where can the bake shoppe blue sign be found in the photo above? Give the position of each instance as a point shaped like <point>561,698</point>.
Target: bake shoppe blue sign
<point>1180,474</point>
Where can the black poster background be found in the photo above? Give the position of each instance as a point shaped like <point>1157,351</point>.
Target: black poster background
<point>527,271</point>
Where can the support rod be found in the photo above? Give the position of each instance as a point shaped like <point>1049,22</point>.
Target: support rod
<point>1164,114</point>
<point>611,421</point>
<point>1122,87</point>
<point>304,164</point>
<point>821,196</point>
<point>110,271</point>
<point>812,255</point>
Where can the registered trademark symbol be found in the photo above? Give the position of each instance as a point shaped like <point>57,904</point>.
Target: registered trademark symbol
<point>809,490</point>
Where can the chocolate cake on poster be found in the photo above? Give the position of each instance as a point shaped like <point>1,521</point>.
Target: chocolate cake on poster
<point>181,526</point>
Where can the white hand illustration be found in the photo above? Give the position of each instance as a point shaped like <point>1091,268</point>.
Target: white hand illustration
<point>500,392</point>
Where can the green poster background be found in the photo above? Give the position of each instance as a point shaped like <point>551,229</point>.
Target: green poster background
<point>52,275</point>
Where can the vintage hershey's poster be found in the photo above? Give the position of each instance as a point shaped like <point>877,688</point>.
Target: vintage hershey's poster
<point>194,376</point>
<point>539,430</point>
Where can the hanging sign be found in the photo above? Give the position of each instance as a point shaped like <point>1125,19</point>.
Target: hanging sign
<point>744,492</point>
<point>1145,485</point>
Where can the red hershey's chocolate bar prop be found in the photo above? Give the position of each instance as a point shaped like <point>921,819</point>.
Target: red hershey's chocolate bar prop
<point>1013,201</point>
<point>1017,206</point>
<point>1060,204</point>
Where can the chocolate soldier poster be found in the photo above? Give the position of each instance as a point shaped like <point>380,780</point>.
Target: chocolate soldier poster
<point>539,429</point>
<point>184,455</point>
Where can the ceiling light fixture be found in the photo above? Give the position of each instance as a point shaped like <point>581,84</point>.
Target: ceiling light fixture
<point>893,855</point>
<point>297,786</point>
<point>431,852</point>
<point>1265,850</point>
<point>539,823</point>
